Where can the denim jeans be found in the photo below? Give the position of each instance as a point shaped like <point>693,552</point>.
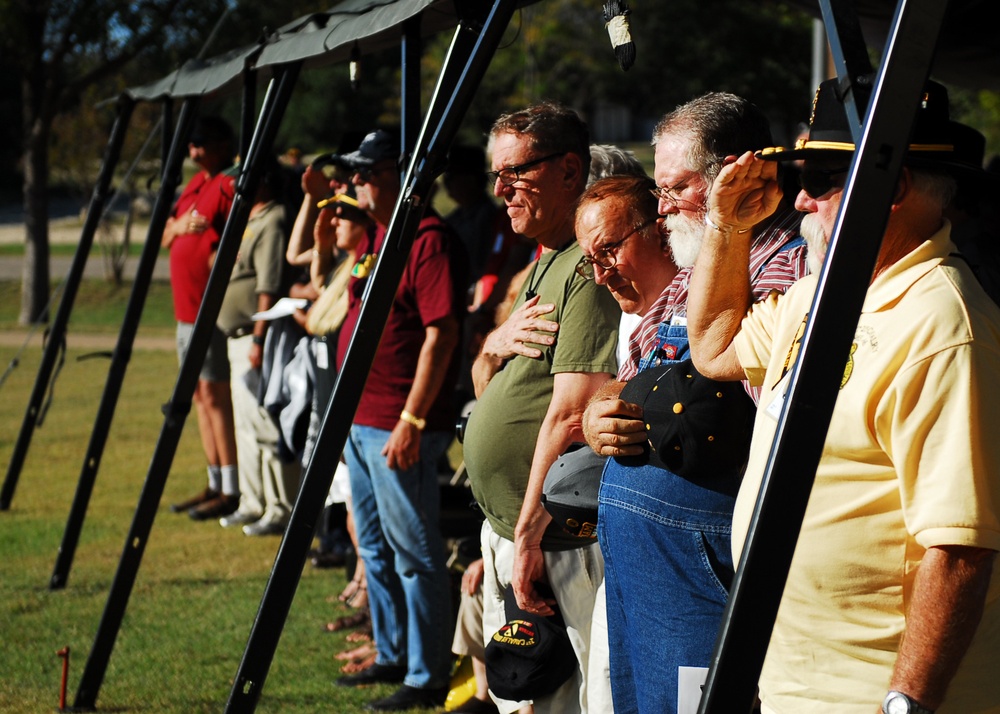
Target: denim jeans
<point>668,568</point>
<point>396,518</point>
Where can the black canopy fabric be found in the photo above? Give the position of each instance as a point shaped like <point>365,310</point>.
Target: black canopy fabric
<point>316,39</point>
<point>968,52</point>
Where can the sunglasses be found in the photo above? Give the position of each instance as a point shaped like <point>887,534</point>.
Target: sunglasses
<point>818,182</point>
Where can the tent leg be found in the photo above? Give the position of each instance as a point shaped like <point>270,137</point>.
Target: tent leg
<point>119,363</point>
<point>57,332</point>
<point>275,104</point>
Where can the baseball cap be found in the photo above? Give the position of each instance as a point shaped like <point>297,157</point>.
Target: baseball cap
<point>531,655</point>
<point>697,427</point>
<point>570,490</point>
<point>378,145</point>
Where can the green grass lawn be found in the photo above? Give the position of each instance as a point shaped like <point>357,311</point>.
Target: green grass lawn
<point>99,307</point>
<point>199,586</point>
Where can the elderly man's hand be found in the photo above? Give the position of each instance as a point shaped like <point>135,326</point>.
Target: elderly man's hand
<point>614,427</point>
<point>745,192</point>
<point>524,325</point>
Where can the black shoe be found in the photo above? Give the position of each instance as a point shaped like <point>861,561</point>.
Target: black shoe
<point>376,674</point>
<point>476,706</point>
<point>206,495</point>
<point>407,697</point>
<point>216,508</point>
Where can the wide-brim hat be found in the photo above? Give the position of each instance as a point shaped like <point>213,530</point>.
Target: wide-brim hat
<point>935,142</point>
<point>697,428</point>
<point>530,656</point>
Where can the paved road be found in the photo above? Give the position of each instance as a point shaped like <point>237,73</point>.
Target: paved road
<point>59,265</point>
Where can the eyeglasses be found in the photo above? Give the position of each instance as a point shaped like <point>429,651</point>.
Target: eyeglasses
<point>607,257</point>
<point>512,174</point>
<point>670,194</point>
<point>818,182</point>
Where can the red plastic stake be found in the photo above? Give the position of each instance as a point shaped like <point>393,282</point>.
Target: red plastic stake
<point>64,654</point>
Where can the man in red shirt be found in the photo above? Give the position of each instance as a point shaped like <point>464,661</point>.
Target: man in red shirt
<point>192,235</point>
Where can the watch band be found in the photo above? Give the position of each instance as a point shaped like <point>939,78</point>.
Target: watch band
<point>896,702</point>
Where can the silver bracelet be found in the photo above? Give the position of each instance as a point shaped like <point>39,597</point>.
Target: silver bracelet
<point>726,231</point>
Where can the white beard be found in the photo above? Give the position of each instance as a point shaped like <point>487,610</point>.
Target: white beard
<point>817,240</point>
<point>685,238</point>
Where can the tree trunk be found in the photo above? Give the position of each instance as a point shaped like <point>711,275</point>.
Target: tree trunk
<point>35,272</point>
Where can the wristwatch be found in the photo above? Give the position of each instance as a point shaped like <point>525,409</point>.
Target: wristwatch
<point>899,703</point>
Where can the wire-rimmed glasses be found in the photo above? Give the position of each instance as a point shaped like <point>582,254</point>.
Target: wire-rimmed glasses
<point>607,256</point>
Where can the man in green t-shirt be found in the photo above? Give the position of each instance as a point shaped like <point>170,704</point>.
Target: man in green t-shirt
<point>533,378</point>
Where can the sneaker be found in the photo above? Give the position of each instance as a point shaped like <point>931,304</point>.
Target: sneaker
<point>376,674</point>
<point>264,528</point>
<point>220,506</point>
<point>407,697</point>
<point>238,518</point>
<point>206,495</point>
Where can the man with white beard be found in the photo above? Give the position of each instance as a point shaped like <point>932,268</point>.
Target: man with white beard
<point>654,525</point>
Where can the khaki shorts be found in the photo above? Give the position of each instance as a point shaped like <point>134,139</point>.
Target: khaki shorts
<point>215,368</point>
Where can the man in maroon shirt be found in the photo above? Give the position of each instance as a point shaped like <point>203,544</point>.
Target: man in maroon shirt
<point>403,425</point>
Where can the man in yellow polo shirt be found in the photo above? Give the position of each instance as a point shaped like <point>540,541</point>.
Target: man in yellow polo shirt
<point>891,596</point>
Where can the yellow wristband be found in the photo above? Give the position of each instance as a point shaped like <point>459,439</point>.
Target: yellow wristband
<point>415,420</point>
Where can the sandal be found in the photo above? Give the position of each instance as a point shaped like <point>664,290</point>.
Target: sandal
<point>359,598</point>
<point>348,622</point>
<point>364,634</point>
<point>351,590</point>
<point>355,667</point>
<point>356,654</point>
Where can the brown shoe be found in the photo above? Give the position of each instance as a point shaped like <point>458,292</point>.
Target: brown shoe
<point>206,495</point>
<point>216,508</point>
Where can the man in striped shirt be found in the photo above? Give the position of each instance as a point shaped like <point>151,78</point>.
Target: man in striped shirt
<point>655,526</point>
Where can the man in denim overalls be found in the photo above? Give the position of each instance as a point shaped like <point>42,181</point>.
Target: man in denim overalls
<point>661,533</point>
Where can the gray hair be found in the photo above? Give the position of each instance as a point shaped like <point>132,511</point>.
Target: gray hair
<point>934,185</point>
<point>610,160</point>
<point>718,124</point>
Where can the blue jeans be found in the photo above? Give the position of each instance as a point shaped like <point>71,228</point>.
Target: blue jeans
<point>667,570</point>
<point>396,519</point>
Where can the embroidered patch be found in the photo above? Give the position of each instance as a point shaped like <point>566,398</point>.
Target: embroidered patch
<point>518,633</point>
<point>364,265</point>
<point>849,369</point>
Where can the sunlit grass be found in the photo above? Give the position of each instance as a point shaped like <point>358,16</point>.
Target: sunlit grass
<point>198,588</point>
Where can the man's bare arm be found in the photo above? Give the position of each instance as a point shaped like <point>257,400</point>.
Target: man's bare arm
<point>560,428</point>
<point>402,450</point>
<point>947,604</point>
<point>745,193</point>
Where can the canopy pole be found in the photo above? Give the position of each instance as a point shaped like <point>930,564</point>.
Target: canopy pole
<point>170,179</point>
<point>177,409</point>
<point>100,653</point>
<point>843,283</point>
<point>472,50</point>
<point>57,332</point>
